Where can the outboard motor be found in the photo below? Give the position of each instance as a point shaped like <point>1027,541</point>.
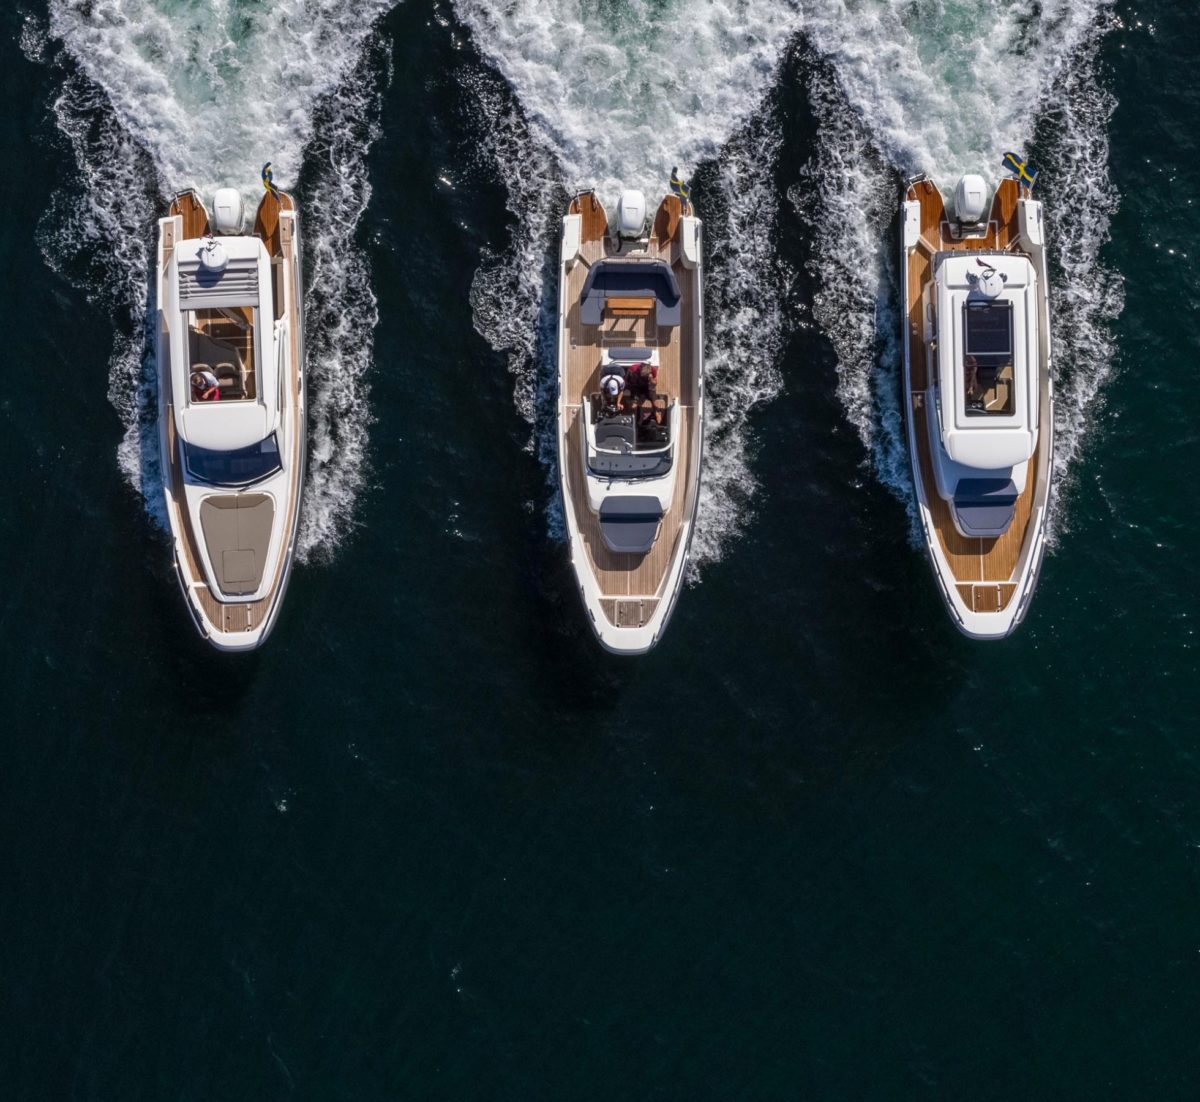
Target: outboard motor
<point>631,215</point>
<point>229,212</point>
<point>970,201</point>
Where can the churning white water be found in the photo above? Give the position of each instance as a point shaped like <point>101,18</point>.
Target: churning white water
<point>160,95</point>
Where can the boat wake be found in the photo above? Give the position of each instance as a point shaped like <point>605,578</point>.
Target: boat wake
<point>902,90</point>
<point>160,95</point>
<point>615,97</point>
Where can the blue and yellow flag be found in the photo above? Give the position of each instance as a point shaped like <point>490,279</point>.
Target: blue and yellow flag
<point>679,187</point>
<point>1020,169</point>
<point>268,179</point>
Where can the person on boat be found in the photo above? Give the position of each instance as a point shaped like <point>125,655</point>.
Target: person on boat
<point>205,387</point>
<point>650,414</point>
<point>611,386</point>
<point>973,397</point>
<point>642,381</point>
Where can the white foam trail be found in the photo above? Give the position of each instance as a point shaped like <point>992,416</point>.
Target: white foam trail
<point>944,89</point>
<point>159,95</point>
<point>613,96</point>
<point>621,92</point>
<point>848,196</point>
<point>943,86</point>
<point>746,329</point>
<point>1089,295</point>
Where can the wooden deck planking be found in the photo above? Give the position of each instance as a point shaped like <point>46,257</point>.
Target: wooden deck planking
<point>188,206</point>
<point>971,560</point>
<point>594,224</point>
<point>629,614</point>
<point>920,266</point>
<point>666,221</point>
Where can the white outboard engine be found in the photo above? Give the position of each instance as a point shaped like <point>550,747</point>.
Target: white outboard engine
<point>971,200</point>
<point>631,215</point>
<point>212,256</point>
<point>229,212</point>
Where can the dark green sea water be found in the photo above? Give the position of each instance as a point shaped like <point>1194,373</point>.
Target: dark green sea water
<point>431,842</point>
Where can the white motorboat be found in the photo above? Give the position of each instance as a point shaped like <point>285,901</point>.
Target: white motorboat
<point>978,392</point>
<point>231,406</point>
<point>630,407</point>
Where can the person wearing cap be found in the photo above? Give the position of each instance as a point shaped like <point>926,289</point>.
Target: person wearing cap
<point>611,386</point>
<point>205,387</point>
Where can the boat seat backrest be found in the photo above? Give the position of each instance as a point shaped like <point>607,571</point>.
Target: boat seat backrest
<point>1000,401</point>
<point>232,380</point>
<point>624,279</point>
<point>210,349</point>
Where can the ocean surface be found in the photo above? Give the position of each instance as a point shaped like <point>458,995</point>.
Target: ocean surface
<point>432,842</point>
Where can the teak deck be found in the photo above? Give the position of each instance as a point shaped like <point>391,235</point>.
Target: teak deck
<point>277,235</point>
<point>983,569</point>
<point>632,585</point>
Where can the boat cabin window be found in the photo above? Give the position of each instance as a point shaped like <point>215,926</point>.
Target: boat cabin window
<point>221,347</point>
<point>988,359</point>
<point>238,467</point>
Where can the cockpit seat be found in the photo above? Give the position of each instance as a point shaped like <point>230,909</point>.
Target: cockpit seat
<point>232,380</point>
<point>630,279</point>
<point>210,350</point>
<point>984,507</point>
<point>628,525</point>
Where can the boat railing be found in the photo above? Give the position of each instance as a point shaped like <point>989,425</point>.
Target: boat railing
<point>280,335</point>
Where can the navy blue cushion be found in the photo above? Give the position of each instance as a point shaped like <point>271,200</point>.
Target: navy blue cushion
<point>984,506</point>
<point>630,279</point>
<point>629,524</point>
<point>629,355</point>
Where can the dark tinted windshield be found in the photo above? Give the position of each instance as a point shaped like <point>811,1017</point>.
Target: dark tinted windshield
<point>989,329</point>
<point>988,359</point>
<point>234,468</point>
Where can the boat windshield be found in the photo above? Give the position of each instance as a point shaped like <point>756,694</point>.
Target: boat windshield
<point>237,467</point>
<point>988,359</point>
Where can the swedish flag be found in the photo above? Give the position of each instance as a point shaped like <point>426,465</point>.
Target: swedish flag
<point>268,179</point>
<point>1020,169</point>
<point>679,187</point>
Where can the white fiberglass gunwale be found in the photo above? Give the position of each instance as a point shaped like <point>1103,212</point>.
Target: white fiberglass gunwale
<point>232,454</point>
<point>979,399</point>
<point>629,471</point>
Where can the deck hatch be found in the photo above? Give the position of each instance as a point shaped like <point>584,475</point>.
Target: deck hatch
<point>237,533</point>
